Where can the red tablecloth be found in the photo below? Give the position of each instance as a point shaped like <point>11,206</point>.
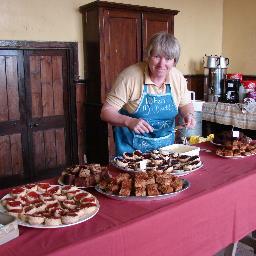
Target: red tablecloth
<point>219,208</point>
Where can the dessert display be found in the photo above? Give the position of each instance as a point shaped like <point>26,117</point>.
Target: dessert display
<point>227,136</point>
<point>87,175</point>
<point>237,148</point>
<point>141,184</point>
<point>181,149</point>
<point>45,205</point>
<point>177,164</point>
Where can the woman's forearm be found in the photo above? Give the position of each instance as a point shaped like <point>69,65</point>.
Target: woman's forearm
<point>187,113</point>
<point>112,116</point>
<point>186,109</point>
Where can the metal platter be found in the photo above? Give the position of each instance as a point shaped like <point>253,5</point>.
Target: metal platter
<point>216,144</point>
<point>234,157</point>
<point>174,172</point>
<point>186,185</point>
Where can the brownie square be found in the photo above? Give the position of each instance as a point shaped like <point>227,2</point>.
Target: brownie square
<point>152,190</point>
<point>165,189</point>
<point>140,191</point>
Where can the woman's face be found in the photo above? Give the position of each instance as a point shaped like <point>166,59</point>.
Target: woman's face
<point>159,66</point>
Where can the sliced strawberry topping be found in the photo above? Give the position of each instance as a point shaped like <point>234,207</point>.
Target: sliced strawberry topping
<point>14,203</point>
<point>53,190</point>
<point>88,205</point>
<point>54,205</point>
<point>79,196</point>
<point>68,187</point>
<point>28,208</point>
<point>47,195</point>
<point>23,199</point>
<point>33,194</point>
<point>46,214</point>
<point>43,185</point>
<point>36,201</point>
<point>8,199</point>
<point>37,205</point>
<point>29,186</point>
<point>17,191</point>
<point>87,200</point>
<point>73,192</point>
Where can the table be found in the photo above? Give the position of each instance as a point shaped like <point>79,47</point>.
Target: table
<point>218,209</point>
<point>229,114</point>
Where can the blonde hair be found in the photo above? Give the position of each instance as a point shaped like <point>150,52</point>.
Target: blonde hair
<point>165,45</point>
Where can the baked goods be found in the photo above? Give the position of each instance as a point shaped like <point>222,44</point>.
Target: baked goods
<point>151,183</point>
<point>224,137</point>
<point>50,207</point>
<point>86,175</point>
<point>157,161</point>
<point>237,148</point>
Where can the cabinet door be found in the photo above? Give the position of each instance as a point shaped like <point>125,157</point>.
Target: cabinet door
<point>122,32</point>
<point>47,104</point>
<point>12,116</point>
<point>153,23</point>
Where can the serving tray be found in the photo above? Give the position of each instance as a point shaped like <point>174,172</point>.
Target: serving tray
<point>179,173</point>
<point>81,219</point>
<point>186,185</point>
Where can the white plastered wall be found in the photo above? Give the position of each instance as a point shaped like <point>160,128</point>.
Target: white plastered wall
<point>239,35</point>
<point>198,26</point>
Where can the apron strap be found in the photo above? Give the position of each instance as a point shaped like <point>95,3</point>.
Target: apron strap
<point>145,88</point>
<point>168,88</point>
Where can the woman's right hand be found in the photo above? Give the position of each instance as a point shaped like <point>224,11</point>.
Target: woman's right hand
<point>139,126</point>
<point>112,116</point>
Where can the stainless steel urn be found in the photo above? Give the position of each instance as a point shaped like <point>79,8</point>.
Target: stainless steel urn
<point>215,69</point>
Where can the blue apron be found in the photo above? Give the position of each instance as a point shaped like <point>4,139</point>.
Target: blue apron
<point>160,112</point>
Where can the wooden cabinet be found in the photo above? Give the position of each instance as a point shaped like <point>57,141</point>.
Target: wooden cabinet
<point>35,115</point>
<point>115,36</point>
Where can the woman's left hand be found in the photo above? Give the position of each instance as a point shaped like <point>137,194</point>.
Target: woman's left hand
<point>190,121</point>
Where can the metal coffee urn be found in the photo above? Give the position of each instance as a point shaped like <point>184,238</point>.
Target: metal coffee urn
<point>215,69</point>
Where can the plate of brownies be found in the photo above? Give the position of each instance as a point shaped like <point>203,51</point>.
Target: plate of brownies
<point>174,163</point>
<point>237,149</point>
<point>142,186</point>
<point>83,176</point>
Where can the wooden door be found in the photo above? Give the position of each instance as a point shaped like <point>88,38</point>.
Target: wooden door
<point>153,23</point>
<point>122,49</point>
<point>13,129</point>
<point>122,31</point>
<point>48,114</point>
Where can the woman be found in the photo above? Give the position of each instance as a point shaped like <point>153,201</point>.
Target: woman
<point>146,97</point>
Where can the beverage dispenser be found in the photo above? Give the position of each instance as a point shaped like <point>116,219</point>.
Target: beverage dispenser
<point>215,70</point>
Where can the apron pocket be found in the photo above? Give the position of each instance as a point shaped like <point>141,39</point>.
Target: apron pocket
<point>146,144</point>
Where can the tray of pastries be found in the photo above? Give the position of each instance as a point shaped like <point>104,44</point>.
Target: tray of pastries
<point>237,149</point>
<point>83,176</point>
<point>177,164</point>
<point>221,138</point>
<point>142,186</point>
<point>49,206</point>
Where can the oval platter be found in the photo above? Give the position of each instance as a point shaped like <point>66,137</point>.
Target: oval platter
<point>186,185</point>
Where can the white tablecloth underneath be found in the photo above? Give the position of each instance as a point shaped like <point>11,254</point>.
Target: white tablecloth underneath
<point>229,114</point>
